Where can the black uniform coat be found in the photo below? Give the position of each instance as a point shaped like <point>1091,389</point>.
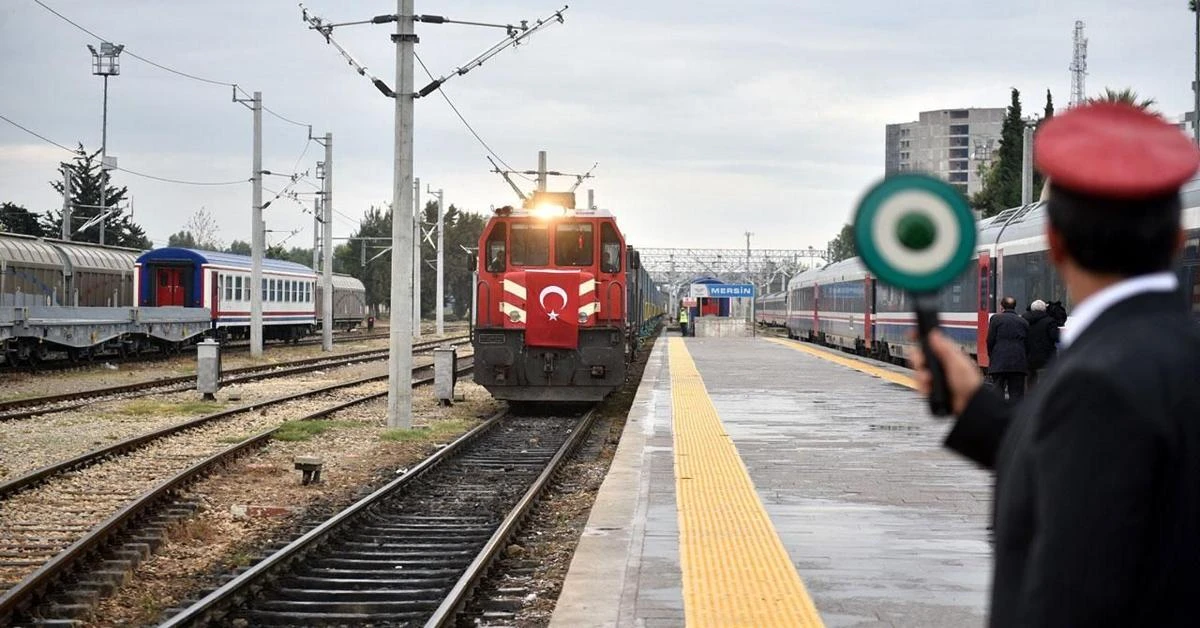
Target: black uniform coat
<point>1006,343</point>
<point>1042,339</point>
<point>1097,500</point>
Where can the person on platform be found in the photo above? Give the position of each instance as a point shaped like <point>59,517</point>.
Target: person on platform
<point>1042,342</point>
<point>683,321</point>
<point>1007,362</point>
<point>1097,496</point>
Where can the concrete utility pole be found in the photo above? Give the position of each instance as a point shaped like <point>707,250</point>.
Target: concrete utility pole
<point>400,332</point>
<point>440,300</point>
<point>400,358</point>
<point>256,234</point>
<point>66,214</point>
<point>316,233</point>
<point>327,265</point>
<point>1027,165</point>
<point>418,217</point>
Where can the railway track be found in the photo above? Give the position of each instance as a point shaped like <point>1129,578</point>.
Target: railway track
<point>71,540</point>
<point>86,359</point>
<point>33,406</point>
<point>411,552</point>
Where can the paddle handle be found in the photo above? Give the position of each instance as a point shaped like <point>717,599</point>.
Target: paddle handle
<point>927,321</point>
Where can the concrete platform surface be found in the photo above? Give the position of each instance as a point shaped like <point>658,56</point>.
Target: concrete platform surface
<point>884,527</point>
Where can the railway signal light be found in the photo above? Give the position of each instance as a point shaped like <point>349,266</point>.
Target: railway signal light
<point>917,233</point>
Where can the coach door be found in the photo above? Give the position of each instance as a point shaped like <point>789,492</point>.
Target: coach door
<point>170,286</point>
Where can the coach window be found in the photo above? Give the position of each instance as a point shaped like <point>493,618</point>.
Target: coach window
<point>228,285</point>
<point>530,244</point>
<point>574,244</point>
<point>610,249</point>
<point>496,252</point>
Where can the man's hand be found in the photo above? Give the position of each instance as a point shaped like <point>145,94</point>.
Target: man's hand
<point>962,375</point>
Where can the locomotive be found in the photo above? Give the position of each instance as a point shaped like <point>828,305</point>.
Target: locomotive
<point>842,305</point>
<point>562,302</point>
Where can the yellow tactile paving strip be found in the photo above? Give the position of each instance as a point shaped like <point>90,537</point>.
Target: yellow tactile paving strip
<point>736,571</point>
<point>857,365</point>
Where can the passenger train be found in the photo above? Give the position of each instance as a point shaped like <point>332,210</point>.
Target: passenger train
<point>842,305</point>
<point>67,284</point>
<point>220,282</point>
<point>563,302</point>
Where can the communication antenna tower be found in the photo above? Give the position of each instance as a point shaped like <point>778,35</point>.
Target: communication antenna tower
<point>1078,66</point>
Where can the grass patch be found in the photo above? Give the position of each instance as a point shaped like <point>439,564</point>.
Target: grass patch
<point>293,431</point>
<point>151,407</point>
<point>437,431</point>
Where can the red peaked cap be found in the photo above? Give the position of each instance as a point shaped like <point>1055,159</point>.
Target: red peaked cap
<point>1114,150</point>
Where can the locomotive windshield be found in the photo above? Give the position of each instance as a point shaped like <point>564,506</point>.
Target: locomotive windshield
<point>574,244</point>
<point>495,249</point>
<point>610,249</point>
<point>530,244</point>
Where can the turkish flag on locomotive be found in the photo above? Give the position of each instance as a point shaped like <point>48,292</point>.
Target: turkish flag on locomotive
<point>552,308</point>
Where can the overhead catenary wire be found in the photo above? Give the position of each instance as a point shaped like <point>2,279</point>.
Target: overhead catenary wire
<point>40,136</point>
<point>164,67</point>
<point>127,170</point>
<point>464,120</point>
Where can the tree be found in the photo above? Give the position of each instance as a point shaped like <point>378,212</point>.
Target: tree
<point>239,247</point>
<point>376,275</point>
<point>842,247</point>
<point>17,219</point>
<point>1002,185</point>
<point>183,239</point>
<point>462,229</point>
<point>204,228</point>
<point>1127,96</point>
<point>87,180</point>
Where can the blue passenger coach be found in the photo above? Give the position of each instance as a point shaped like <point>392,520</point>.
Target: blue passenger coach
<point>178,277</point>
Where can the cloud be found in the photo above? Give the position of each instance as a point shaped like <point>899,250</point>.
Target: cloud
<point>707,119</point>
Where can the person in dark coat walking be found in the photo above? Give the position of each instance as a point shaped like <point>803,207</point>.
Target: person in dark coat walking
<point>1042,342</point>
<point>1007,363</point>
<point>1097,497</point>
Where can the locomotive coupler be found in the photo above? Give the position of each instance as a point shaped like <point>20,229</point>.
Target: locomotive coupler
<point>548,367</point>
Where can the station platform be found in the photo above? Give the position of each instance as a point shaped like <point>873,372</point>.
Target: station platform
<point>767,482</point>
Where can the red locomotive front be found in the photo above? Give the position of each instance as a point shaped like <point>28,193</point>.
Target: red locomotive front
<point>550,320</point>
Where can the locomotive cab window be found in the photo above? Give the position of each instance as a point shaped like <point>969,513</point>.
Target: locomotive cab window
<point>610,249</point>
<point>574,244</point>
<point>530,245</point>
<point>495,249</point>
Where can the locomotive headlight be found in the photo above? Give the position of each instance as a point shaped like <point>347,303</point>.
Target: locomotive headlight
<point>514,316</point>
<point>583,316</point>
<point>549,210</point>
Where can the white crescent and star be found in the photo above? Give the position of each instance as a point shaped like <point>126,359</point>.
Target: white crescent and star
<point>548,290</point>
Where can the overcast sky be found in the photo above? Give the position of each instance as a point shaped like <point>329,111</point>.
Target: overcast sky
<point>708,119</point>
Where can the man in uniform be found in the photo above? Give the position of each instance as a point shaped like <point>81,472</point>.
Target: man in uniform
<point>1097,498</point>
<point>1007,363</point>
<point>683,320</point>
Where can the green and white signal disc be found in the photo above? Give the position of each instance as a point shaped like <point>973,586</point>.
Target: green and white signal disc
<point>914,232</point>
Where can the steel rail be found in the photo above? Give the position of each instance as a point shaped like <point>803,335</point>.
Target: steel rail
<point>38,584</point>
<point>38,476</point>
<point>446,614</point>
<point>243,374</point>
<point>215,605</point>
